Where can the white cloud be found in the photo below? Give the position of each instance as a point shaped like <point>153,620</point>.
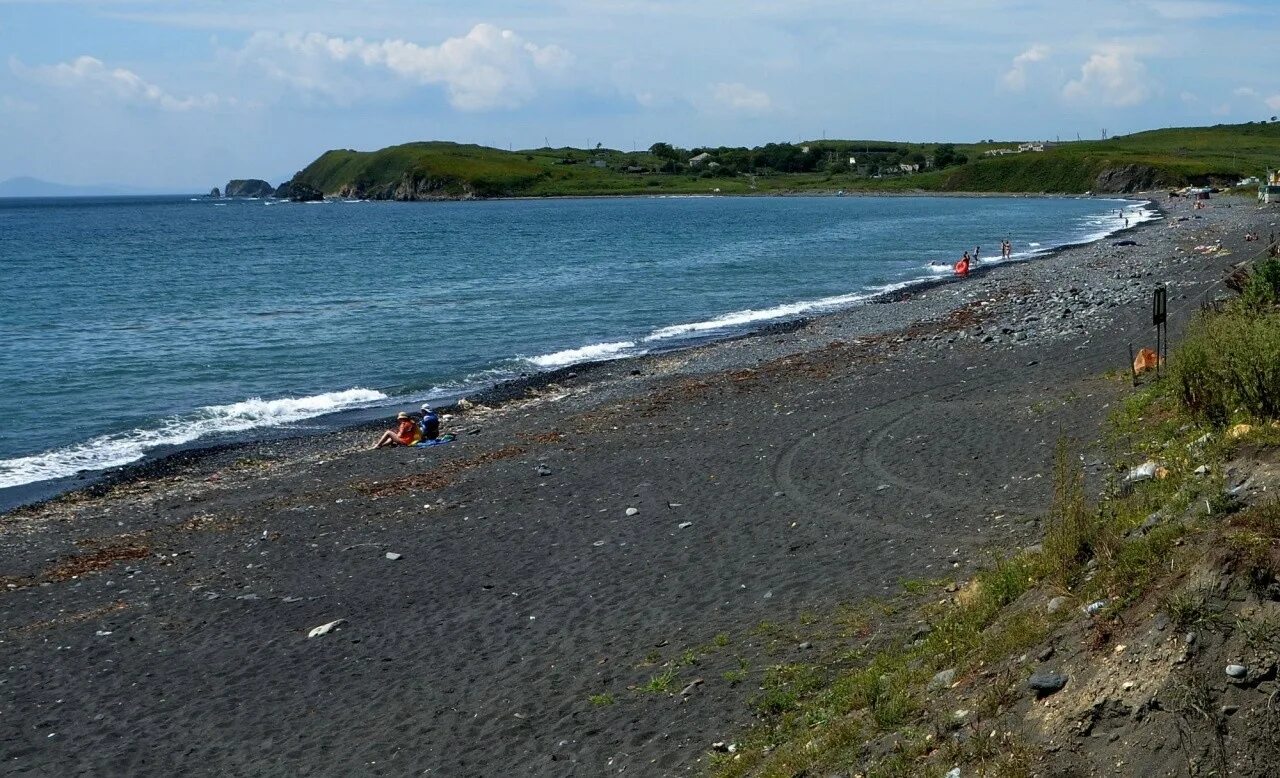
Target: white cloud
<point>1015,79</point>
<point>1245,91</point>
<point>1113,75</point>
<point>485,69</point>
<point>91,74</point>
<point>739,98</point>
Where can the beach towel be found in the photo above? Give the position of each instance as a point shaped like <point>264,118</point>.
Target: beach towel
<point>440,441</point>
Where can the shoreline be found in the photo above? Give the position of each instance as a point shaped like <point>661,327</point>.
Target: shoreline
<point>173,459</point>
<point>594,578</point>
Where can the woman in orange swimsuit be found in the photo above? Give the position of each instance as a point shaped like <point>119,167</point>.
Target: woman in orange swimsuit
<point>406,433</point>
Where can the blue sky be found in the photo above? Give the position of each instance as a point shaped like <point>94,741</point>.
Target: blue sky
<point>184,95</point>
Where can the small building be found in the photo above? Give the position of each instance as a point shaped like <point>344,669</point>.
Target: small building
<point>908,167</point>
<point>699,160</point>
<point>1269,190</point>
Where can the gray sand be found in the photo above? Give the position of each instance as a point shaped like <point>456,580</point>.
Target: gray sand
<point>161,629</point>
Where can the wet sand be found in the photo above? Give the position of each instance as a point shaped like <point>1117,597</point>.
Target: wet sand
<point>161,628</point>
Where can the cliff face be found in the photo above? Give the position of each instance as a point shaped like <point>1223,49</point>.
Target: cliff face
<point>411,188</point>
<point>248,187</point>
<point>1129,178</point>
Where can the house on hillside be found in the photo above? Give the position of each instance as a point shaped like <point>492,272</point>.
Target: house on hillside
<point>699,160</point>
<point>908,167</point>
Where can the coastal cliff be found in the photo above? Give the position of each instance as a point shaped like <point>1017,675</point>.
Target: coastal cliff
<point>1174,157</point>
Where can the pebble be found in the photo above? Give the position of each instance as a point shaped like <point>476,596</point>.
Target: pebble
<point>1237,671</point>
<point>1046,682</point>
<point>632,511</point>
<point>393,556</point>
<point>543,470</point>
<point>685,524</point>
<point>1056,604</point>
<point>1202,470</point>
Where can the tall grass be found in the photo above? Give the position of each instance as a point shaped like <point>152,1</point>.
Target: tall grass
<point>1229,362</point>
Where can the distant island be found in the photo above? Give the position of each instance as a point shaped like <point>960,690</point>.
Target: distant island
<point>26,186</point>
<point>248,187</point>
<point>1220,155</point>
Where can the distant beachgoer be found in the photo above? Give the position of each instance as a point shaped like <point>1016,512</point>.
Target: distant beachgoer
<point>962,267</point>
<point>977,251</point>
<point>430,424</point>
<point>406,433</point>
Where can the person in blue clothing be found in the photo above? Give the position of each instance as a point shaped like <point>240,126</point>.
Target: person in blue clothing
<point>430,423</point>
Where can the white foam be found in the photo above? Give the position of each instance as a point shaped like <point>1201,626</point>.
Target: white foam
<point>788,310</point>
<point>121,448</point>
<point>596,351</point>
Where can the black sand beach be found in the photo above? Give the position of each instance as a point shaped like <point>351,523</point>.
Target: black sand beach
<point>579,559</point>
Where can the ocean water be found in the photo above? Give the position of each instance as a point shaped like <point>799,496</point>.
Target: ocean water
<point>134,324</point>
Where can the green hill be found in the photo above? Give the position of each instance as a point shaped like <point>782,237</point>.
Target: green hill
<point>438,170</point>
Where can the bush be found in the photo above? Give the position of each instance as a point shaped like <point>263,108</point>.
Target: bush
<point>1262,288</point>
<point>1231,361</point>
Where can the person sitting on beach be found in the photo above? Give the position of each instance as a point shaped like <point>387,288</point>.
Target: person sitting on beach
<point>430,424</point>
<point>406,433</point>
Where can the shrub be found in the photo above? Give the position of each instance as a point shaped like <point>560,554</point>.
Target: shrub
<point>1231,361</point>
<point>1261,289</point>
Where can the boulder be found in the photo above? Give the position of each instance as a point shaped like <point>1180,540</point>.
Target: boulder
<point>215,193</point>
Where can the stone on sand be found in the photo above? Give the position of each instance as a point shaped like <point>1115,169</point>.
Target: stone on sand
<point>1046,682</point>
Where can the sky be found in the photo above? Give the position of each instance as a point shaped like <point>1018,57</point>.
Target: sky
<point>182,95</point>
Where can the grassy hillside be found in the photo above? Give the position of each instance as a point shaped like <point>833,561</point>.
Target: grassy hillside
<point>1158,158</point>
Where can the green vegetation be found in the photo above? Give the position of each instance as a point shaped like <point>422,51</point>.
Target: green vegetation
<point>662,683</point>
<point>602,700</point>
<point>1231,360</point>
<point>440,170</point>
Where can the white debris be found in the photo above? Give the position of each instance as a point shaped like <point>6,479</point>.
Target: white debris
<point>1143,472</point>
<point>685,524</point>
<point>393,556</point>
<point>325,629</point>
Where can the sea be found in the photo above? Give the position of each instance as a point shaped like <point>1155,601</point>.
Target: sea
<point>132,326</point>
